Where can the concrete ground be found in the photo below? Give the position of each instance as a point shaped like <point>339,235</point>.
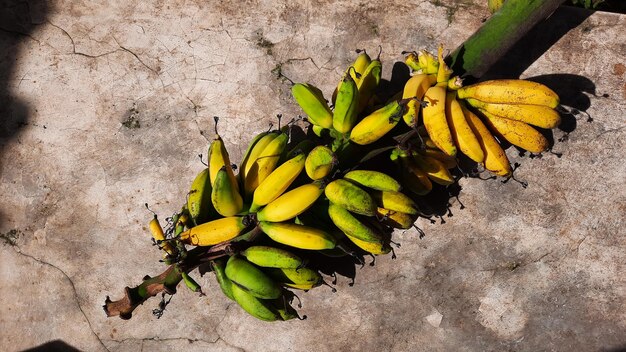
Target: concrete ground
<point>106,106</point>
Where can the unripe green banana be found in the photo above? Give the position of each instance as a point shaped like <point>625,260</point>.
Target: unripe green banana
<point>272,257</point>
<point>199,198</point>
<point>298,236</point>
<point>190,282</point>
<point>350,196</point>
<point>320,162</point>
<point>225,195</point>
<point>351,225</point>
<point>291,204</point>
<point>301,278</point>
<point>396,201</point>
<point>277,182</point>
<point>251,278</point>
<point>313,104</point>
<point>258,308</point>
<point>284,309</point>
<point>373,179</point>
<point>218,266</point>
<point>346,105</point>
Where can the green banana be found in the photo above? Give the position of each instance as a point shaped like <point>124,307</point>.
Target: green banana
<point>258,308</point>
<point>190,282</point>
<point>395,201</point>
<point>351,226</point>
<point>252,279</point>
<point>346,105</point>
<point>301,278</point>
<point>218,266</point>
<point>350,196</point>
<point>272,257</point>
<point>199,198</point>
<point>313,104</point>
<point>373,179</point>
<point>225,195</point>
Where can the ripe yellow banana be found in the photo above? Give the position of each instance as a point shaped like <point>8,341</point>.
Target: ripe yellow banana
<point>536,115</point>
<point>215,231</point>
<point>413,177</point>
<point>320,162</point>
<point>272,257</point>
<point>368,83</point>
<point>511,91</point>
<point>435,169</point>
<point>396,219</point>
<point>462,134</point>
<point>517,133</point>
<point>218,266</point>
<point>351,225</point>
<point>350,196</point>
<point>360,64</point>
<point>434,117</point>
<point>249,277</point>
<point>255,148</point>
<point>298,236</point>
<point>376,248</point>
<point>225,195</point>
<point>157,233</point>
<point>218,158</point>
<point>373,179</point>
<point>199,198</point>
<point>277,182</point>
<point>496,160</point>
<point>291,204</point>
<point>415,88</point>
<point>395,201</point>
<point>443,71</point>
<point>265,162</point>
<point>258,308</point>
<point>299,278</point>
<point>313,104</point>
<point>447,160</point>
<point>378,123</point>
<point>346,105</point>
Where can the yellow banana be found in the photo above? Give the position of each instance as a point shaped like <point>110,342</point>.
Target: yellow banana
<point>218,158</point>
<point>346,105</point>
<point>157,233</point>
<point>435,169</point>
<point>373,179</point>
<point>249,277</point>
<point>225,195</point>
<point>199,198</point>
<point>395,201</point>
<point>511,91</point>
<point>215,231</point>
<point>434,117</point>
<point>517,133</point>
<point>428,62</point>
<point>376,248</point>
<point>536,115</point>
<point>350,196</point>
<point>258,308</point>
<point>313,104</point>
<point>368,83</point>
<point>254,149</point>
<point>351,225</point>
<point>496,160</point>
<point>277,182</point>
<point>412,61</point>
<point>357,69</point>
<point>443,71</point>
<point>447,160</point>
<point>416,87</point>
<point>299,278</point>
<point>320,162</point>
<point>264,163</point>
<point>378,123</point>
<point>413,177</point>
<point>298,236</point>
<point>272,257</point>
<point>462,134</point>
<point>291,204</point>
<point>218,266</point>
<point>396,219</point>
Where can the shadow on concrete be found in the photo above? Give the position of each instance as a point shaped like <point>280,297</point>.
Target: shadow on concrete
<point>18,19</point>
<point>53,346</point>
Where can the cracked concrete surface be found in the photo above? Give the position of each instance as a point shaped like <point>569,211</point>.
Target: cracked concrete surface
<point>106,106</point>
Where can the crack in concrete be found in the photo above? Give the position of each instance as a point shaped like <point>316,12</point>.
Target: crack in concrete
<point>6,30</point>
<point>136,56</point>
<point>74,44</point>
<point>43,262</point>
<point>513,265</point>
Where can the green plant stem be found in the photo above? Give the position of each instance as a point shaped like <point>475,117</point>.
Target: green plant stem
<point>498,34</point>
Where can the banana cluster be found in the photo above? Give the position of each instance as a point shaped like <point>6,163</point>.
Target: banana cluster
<point>287,201</point>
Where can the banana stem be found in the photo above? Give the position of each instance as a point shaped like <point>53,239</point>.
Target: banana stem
<point>165,282</point>
<point>498,34</point>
